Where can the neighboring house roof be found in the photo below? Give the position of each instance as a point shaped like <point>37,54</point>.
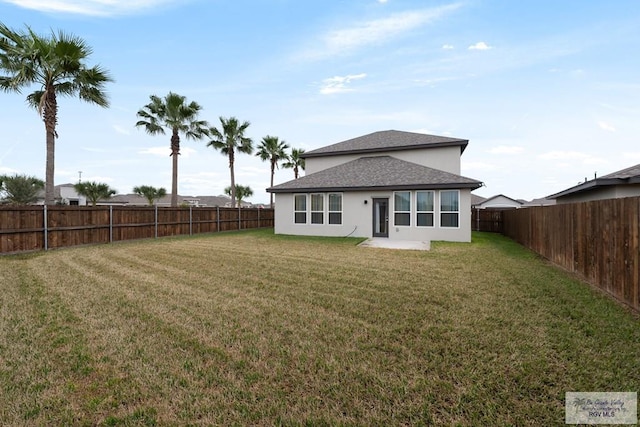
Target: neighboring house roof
<point>476,200</point>
<point>543,201</point>
<point>386,140</point>
<point>380,172</point>
<point>630,175</point>
<point>510,202</point>
<point>137,200</point>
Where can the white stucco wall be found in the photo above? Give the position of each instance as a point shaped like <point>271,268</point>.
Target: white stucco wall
<point>357,219</point>
<point>443,158</point>
<point>69,193</point>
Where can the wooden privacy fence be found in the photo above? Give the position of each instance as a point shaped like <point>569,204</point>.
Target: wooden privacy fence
<point>487,220</point>
<point>598,240</point>
<point>31,228</point>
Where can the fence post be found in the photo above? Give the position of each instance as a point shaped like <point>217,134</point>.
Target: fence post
<point>110,223</point>
<point>218,219</point>
<point>190,220</point>
<point>46,229</point>
<point>239,218</point>
<point>156,222</point>
<point>258,217</point>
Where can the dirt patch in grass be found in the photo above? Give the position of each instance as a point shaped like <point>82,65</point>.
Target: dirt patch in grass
<point>252,328</point>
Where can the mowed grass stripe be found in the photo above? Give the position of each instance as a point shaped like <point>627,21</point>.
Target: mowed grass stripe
<point>252,328</point>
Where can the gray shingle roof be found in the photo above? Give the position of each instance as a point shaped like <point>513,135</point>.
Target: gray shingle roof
<point>380,172</point>
<point>630,172</point>
<point>387,140</point>
<point>630,175</point>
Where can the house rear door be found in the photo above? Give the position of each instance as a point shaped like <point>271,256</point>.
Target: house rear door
<point>380,217</point>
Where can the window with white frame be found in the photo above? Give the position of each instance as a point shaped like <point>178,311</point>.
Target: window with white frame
<point>300,209</point>
<point>424,208</point>
<point>450,208</point>
<point>317,209</point>
<point>335,208</point>
<point>402,208</point>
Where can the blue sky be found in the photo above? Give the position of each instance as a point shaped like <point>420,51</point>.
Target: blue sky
<point>547,92</point>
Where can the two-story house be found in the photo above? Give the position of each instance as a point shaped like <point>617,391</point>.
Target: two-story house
<point>389,184</point>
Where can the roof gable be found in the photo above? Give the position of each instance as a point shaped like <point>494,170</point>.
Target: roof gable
<point>503,197</point>
<point>379,172</point>
<point>388,140</point>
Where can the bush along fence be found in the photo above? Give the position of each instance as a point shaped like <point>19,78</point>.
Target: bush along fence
<point>598,240</point>
<point>32,228</point>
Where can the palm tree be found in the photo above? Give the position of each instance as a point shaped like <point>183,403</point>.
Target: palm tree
<point>20,189</point>
<point>274,151</point>
<point>228,140</point>
<point>56,65</point>
<point>295,161</point>
<point>179,117</point>
<point>150,193</point>
<point>242,193</point>
<point>94,191</point>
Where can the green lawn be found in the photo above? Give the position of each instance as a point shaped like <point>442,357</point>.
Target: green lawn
<point>251,328</point>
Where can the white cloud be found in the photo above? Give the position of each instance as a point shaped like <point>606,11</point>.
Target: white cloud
<point>382,1</point>
<point>377,31</point>
<point>338,84</point>
<point>606,126</point>
<point>568,158</point>
<point>506,149</point>
<point>121,130</point>
<point>480,46</point>
<point>563,155</point>
<point>165,151</point>
<point>8,171</point>
<point>447,46</point>
<point>91,7</point>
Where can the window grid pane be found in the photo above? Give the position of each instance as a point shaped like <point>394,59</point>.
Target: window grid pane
<point>335,218</point>
<point>449,208</point>
<point>402,201</point>
<point>317,202</point>
<point>425,219</point>
<point>335,202</point>
<point>449,201</point>
<point>424,201</point>
<point>335,209</point>
<point>449,220</point>
<point>300,202</point>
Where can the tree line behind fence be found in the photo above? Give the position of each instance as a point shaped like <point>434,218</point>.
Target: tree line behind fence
<point>32,228</point>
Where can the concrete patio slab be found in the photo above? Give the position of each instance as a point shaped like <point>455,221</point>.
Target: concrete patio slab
<point>380,242</point>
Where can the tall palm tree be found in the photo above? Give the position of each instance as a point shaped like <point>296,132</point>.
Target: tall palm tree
<point>94,191</point>
<point>150,193</point>
<point>242,192</point>
<point>294,161</point>
<point>179,117</point>
<point>56,65</point>
<point>273,150</point>
<point>20,189</point>
<point>229,139</point>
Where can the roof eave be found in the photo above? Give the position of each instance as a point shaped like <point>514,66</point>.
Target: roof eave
<point>461,143</point>
<point>588,186</point>
<point>447,186</point>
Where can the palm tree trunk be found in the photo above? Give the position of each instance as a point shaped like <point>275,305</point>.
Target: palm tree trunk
<point>273,167</point>
<point>295,172</point>
<point>175,152</point>
<point>50,111</point>
<point>233,179</point>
